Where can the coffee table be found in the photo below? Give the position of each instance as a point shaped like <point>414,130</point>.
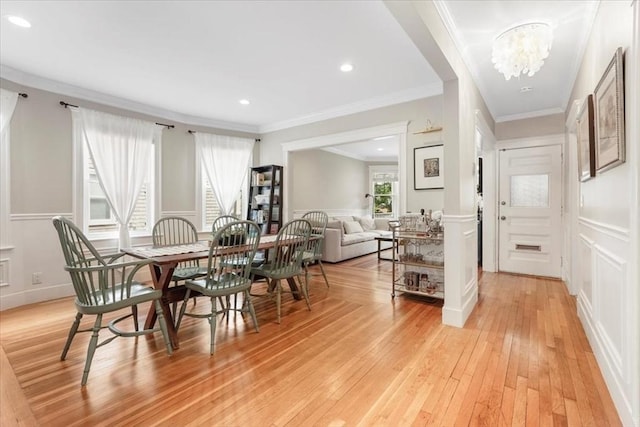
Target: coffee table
<point>381,239</point>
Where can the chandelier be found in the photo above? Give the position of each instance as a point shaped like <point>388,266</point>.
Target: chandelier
<point>522,49</point>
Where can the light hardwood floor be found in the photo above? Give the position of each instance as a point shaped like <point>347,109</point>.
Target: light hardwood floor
<point>358,358</point>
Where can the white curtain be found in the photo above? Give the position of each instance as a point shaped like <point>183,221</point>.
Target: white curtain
<point>225,160</point>
<point>120,148</point>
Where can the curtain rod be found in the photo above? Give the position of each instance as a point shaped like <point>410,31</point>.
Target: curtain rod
<point>193,131</point>
<point>67,105</point>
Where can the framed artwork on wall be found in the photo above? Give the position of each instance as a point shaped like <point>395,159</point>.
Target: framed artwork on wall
<point>586,141</point>
<point>428,167</point>
<point>609,115</point>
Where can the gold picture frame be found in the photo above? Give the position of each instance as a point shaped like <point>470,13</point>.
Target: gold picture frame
<point>585,131</point>
<point>609,115</point>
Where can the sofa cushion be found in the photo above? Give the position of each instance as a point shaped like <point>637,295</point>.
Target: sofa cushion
<point>335,224</point>
<point>343,218</point>
<point>367,223</point>
<point>382,223</point>
<point>381,233</point>
<point>350,239</point>
<point>351,227</point>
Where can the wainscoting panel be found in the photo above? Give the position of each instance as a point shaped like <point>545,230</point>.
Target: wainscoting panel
<point>605,305</point>
<point>5,268</point>
<point>460,268</point>
<point>585,281</point>
<point>610,305</point>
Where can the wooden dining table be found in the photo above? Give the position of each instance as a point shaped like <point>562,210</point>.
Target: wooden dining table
<point>165,260</point>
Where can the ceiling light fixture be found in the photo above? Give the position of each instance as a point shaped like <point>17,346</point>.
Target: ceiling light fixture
<point>244,102</point>
<point>20,22</point>
<point>345,68</point>
<point>522,49</point>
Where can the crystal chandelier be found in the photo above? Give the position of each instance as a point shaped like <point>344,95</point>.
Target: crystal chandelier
<point>522,49</point>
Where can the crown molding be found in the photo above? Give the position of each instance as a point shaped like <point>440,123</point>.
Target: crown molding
<point>530,115</point>
<point>37,82</point>
<point>447,19</point>
<point>592,11</point>
<point>357,107</point>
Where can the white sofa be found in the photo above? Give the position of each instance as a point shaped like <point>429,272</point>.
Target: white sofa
<point>351,236</point>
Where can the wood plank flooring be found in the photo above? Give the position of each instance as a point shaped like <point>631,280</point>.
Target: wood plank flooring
<point>358,358</point>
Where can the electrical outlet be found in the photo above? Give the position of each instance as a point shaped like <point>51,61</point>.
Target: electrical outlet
<point>36,278</point>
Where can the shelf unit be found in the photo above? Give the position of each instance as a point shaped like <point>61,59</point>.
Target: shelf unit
<point>265,198</point>
<point>418,266</point>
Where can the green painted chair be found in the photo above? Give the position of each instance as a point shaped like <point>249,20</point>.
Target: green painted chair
<point>228,273</point>
<point>104,284</point>
<point>313,253</point>
<point>285,261</point>
<point>175,230</point>
<point>221,221</point>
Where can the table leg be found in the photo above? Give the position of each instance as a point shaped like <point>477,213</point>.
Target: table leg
<point>294,288</point>
<point>162,280</point>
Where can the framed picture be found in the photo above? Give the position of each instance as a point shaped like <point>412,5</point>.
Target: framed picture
<point>428,167</point>
<point>609,115</point>
<point>586,141</point>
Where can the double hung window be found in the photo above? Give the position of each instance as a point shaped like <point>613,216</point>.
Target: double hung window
<point>385,191</point>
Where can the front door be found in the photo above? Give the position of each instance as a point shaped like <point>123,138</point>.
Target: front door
<point>530,211</point>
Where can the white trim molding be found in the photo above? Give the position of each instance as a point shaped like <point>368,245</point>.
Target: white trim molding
<point>5,272</point>
<point>460,268</point>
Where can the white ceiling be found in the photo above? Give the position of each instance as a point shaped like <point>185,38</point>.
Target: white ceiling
<point>475,24</point>
<point>194,60</point>
<point>199,58</point>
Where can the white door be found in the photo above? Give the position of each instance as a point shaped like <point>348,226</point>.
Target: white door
<point>529,211</point>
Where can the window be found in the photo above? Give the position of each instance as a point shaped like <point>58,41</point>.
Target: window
<point>384,185</point>
<point>210,208</point>
<point>100,218</point>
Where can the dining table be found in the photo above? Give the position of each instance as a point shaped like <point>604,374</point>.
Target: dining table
<point>165,259</point>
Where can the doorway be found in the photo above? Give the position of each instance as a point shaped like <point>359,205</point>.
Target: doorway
<point>530,223</point>
<point>398,129</point>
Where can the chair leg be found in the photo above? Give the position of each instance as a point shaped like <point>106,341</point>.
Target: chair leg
<point>93,344</point>
<point>183,308</point>
<point>134,312</point>
<point>323,273</point>
<point>212,322</point>
<point>72,333</point>
<point>247,301</point>
<point>163,326</point>
<point>278,290</point>
<point>305,291</point>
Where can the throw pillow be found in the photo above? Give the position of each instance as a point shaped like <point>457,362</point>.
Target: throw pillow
<point>367,223</point>
<point>351,227</point>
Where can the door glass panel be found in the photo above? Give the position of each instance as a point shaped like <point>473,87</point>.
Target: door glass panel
<point>530,191</point>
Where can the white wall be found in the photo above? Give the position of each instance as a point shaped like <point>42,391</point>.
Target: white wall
<point>416,112</point>
<point>41,160</point>
<point>604,270</point>
<point>327,181</point>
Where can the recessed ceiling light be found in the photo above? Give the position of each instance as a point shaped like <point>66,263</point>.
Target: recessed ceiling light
<point>345,68</point>
<point>244,102</point>
<point>20,22</point>
<point>380,149</point>
<point>525,89</point>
